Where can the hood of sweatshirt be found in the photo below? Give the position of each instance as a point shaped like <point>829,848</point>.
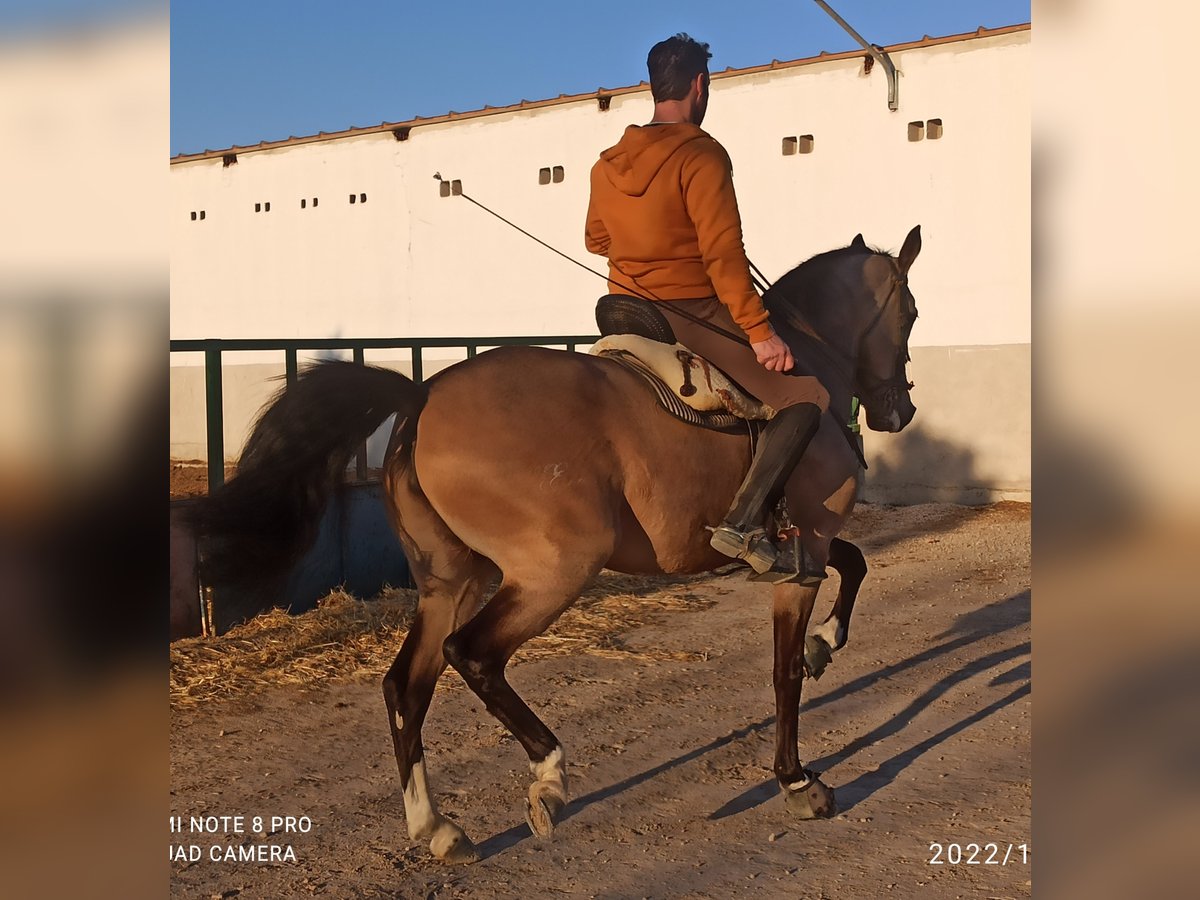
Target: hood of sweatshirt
<point>633,162</point>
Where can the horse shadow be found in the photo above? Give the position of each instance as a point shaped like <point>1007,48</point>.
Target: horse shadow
<point>994,619</point>
<point>920,467</point>
<point>850,795</point>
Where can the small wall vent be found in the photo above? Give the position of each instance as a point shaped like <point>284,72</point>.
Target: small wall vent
<point>794,144</point>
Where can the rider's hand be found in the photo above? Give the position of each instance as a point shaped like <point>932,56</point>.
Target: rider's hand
<point>774,354</point>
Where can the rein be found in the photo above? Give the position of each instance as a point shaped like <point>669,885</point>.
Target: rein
<point>634,291</point>
<point>874,392</point>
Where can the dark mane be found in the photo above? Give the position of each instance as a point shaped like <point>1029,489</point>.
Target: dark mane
<point>796,294</point>
<point>864,249</point>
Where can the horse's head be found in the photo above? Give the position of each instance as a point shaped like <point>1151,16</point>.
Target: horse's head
<point>881,381</point>
<point>855,301</point>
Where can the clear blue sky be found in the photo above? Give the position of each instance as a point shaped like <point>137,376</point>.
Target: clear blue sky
<point>253,70</point>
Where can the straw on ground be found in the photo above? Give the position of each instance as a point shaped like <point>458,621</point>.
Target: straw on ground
<point>347,637</point>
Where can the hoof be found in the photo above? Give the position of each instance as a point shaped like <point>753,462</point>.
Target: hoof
<point>543,808</point>
<point>452,846</point>
<point>814,800</point>
<point>817,655</point>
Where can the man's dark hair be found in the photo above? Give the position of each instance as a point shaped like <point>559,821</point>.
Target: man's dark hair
<point>673,65</point>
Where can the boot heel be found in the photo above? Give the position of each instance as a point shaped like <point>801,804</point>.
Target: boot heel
<point>761,556</point>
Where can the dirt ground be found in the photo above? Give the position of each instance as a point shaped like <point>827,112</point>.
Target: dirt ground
<point>189,478</point>
<point>921,725</point>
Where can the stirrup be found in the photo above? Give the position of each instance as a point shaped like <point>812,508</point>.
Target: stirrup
<point>792,565</point>
<point>751,546</point>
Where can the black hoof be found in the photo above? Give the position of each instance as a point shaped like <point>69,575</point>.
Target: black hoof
<point>817,655</point>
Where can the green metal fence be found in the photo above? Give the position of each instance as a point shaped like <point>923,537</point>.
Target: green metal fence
<point>214,350</point>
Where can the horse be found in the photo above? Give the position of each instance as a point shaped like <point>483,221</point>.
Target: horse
<point>536,468</point>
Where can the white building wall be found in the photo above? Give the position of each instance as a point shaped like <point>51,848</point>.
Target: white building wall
<point>969,191</point>
<point>410,263</point>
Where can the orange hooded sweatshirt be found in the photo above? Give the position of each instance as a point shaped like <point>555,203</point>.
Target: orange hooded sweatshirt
<point>664,212</point>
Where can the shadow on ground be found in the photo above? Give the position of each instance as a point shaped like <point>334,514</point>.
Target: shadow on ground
<point>996,618</point>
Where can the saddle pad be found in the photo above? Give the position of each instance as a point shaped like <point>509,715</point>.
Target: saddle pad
<point>680,369</point>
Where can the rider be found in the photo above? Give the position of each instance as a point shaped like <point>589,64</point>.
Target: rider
<point>663,211</point>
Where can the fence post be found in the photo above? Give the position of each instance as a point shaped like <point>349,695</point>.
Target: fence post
<point>417,365</point>
<point>360,458</point>
<point>214,412</point>
<point>290,366</point>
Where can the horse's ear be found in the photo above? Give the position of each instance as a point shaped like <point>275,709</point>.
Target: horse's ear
<point>912,246</point>
<point>858,243</point>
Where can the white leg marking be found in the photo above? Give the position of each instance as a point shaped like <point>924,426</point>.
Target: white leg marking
<point>831,632</point>
<point>548,794</point>
<point>552,768</point>
<point>399,721</point>
<point>800,785</point>
<point>419,809</point>
<point>424,820</point>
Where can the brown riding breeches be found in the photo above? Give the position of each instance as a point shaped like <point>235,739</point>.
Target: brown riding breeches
<point>777,389</point>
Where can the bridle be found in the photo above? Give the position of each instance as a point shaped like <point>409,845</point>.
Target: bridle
<point>885,391</point>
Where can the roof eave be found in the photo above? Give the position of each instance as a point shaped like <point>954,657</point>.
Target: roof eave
<point>452,116</point>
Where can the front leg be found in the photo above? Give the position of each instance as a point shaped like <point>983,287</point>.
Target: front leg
<point>803,791</point>
<point>830,636</point>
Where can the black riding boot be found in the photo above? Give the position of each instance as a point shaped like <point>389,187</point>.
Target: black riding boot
<point>742,535</point>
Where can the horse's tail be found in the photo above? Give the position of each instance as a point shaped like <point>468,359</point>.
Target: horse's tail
<point>298,451</point>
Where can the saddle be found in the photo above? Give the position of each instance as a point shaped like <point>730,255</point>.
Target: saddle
<point>638,336</point>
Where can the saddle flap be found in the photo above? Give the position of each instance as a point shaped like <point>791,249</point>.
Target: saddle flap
<point>696,382</point>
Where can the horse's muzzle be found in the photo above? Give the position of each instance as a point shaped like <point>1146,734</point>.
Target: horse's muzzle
<point>891,417</point>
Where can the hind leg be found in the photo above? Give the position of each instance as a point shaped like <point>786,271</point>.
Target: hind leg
<point>408,689</point>
<point>480,650</point>
<point>452,582</point>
